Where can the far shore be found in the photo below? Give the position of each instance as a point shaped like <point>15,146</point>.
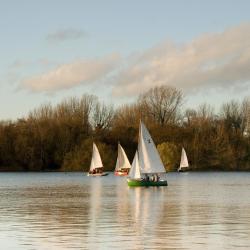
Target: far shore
<point>111,171</point>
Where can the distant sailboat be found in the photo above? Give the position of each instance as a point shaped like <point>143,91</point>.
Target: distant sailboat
<point>149,163</point>
<point>122,164</point>
<point>184,161</point>
<point>96,166</point>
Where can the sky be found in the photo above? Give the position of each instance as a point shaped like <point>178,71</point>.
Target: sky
<point>52,50</point>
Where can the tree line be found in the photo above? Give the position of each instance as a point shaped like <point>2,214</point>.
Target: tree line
<point>59,138</point>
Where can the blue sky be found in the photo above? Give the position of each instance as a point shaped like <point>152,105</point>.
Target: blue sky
<point>51,50</point>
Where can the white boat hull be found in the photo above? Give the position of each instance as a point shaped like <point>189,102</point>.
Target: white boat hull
<point>97,174</point>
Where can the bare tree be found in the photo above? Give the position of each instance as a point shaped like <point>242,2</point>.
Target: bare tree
<point>245,106</point>
<point>205,112</point>
<point>102,116</point>
<point>233,116</point>
<point>190,115</point>
<point>44,112</point>
<point>161,104</point>
<point>129,115</point>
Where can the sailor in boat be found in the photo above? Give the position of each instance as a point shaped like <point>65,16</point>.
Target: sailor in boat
<point>124,170</point>
<point>153,178</point>
<point>157,177</point>
<point>96,171</point>
<point>146,177</point>
<point>99,170</point>
<point>92,172</point>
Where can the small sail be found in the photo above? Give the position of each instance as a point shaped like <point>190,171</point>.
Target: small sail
<point>184,159</point>
<point>96,161</point>
<point>134,172</point>
<point>122,159</point>
<point>149,158</point>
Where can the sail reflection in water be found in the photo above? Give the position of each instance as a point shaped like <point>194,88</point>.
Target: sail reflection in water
<point>72,211</point>
<point>146,206</point>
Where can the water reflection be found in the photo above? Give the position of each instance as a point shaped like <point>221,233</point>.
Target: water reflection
<point>72,211</point>
<point>43,215</point>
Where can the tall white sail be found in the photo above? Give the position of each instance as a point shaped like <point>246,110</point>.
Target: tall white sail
<point>149,158</point>
<point>96,161</point>
<point>135,172</point>
<point>184,159</point>
<point>122,159</point>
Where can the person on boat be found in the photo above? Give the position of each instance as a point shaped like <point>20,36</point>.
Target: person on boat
<point>157,177</point>
<point>146,177</point>
<point>99,170</point>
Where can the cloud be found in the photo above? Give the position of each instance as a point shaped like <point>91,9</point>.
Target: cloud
<point>73,74</point>
<point>65,34</point>
<point>211,60</point>
<point>215,60</point>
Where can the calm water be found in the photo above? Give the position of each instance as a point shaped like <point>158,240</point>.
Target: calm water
<point>72,211</point>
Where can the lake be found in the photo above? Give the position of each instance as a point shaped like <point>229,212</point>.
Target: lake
<point>72,211</point>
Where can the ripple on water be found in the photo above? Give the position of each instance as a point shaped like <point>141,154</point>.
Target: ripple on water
<point>72,211</point>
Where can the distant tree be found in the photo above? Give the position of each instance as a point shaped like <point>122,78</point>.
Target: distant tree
<point>233,116</point>
<point>102,116</point>
<point>189,117</point>
<point>128,115</point>
<point>246,116</point>
<point>161,104</point>
<point>169,155</point>
<point>60,137</point>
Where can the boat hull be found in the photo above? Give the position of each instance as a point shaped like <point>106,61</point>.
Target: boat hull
<point>183,170</point>
<point>118,173</point>
<point>144,183</point>
<point>98,174</point>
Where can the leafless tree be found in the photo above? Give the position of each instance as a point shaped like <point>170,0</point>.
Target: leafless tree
<point>102,116</point>
<point>233,116</point>
<point>190,115</point>
<point>128,115</point>
<point>246,116</point>
<point>161,104</point>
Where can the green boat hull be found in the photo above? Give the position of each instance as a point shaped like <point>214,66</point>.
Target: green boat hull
<point>144,183</point>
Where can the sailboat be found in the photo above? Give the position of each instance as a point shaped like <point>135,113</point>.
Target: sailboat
<point>122,164</point>
<point>147,168</point>
<point>184,161</point>
<point>96,166</point>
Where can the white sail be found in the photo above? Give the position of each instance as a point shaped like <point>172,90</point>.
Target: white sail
<point>96,161</point>
<point>149,158</point>
<point>122,159</point>
<point>184,159</point>
<point>134,172</point>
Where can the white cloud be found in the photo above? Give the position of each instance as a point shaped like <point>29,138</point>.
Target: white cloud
<point>72,74</point>
<point>65,34</point>
<point>209,61</point>
<point>220,59</point>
